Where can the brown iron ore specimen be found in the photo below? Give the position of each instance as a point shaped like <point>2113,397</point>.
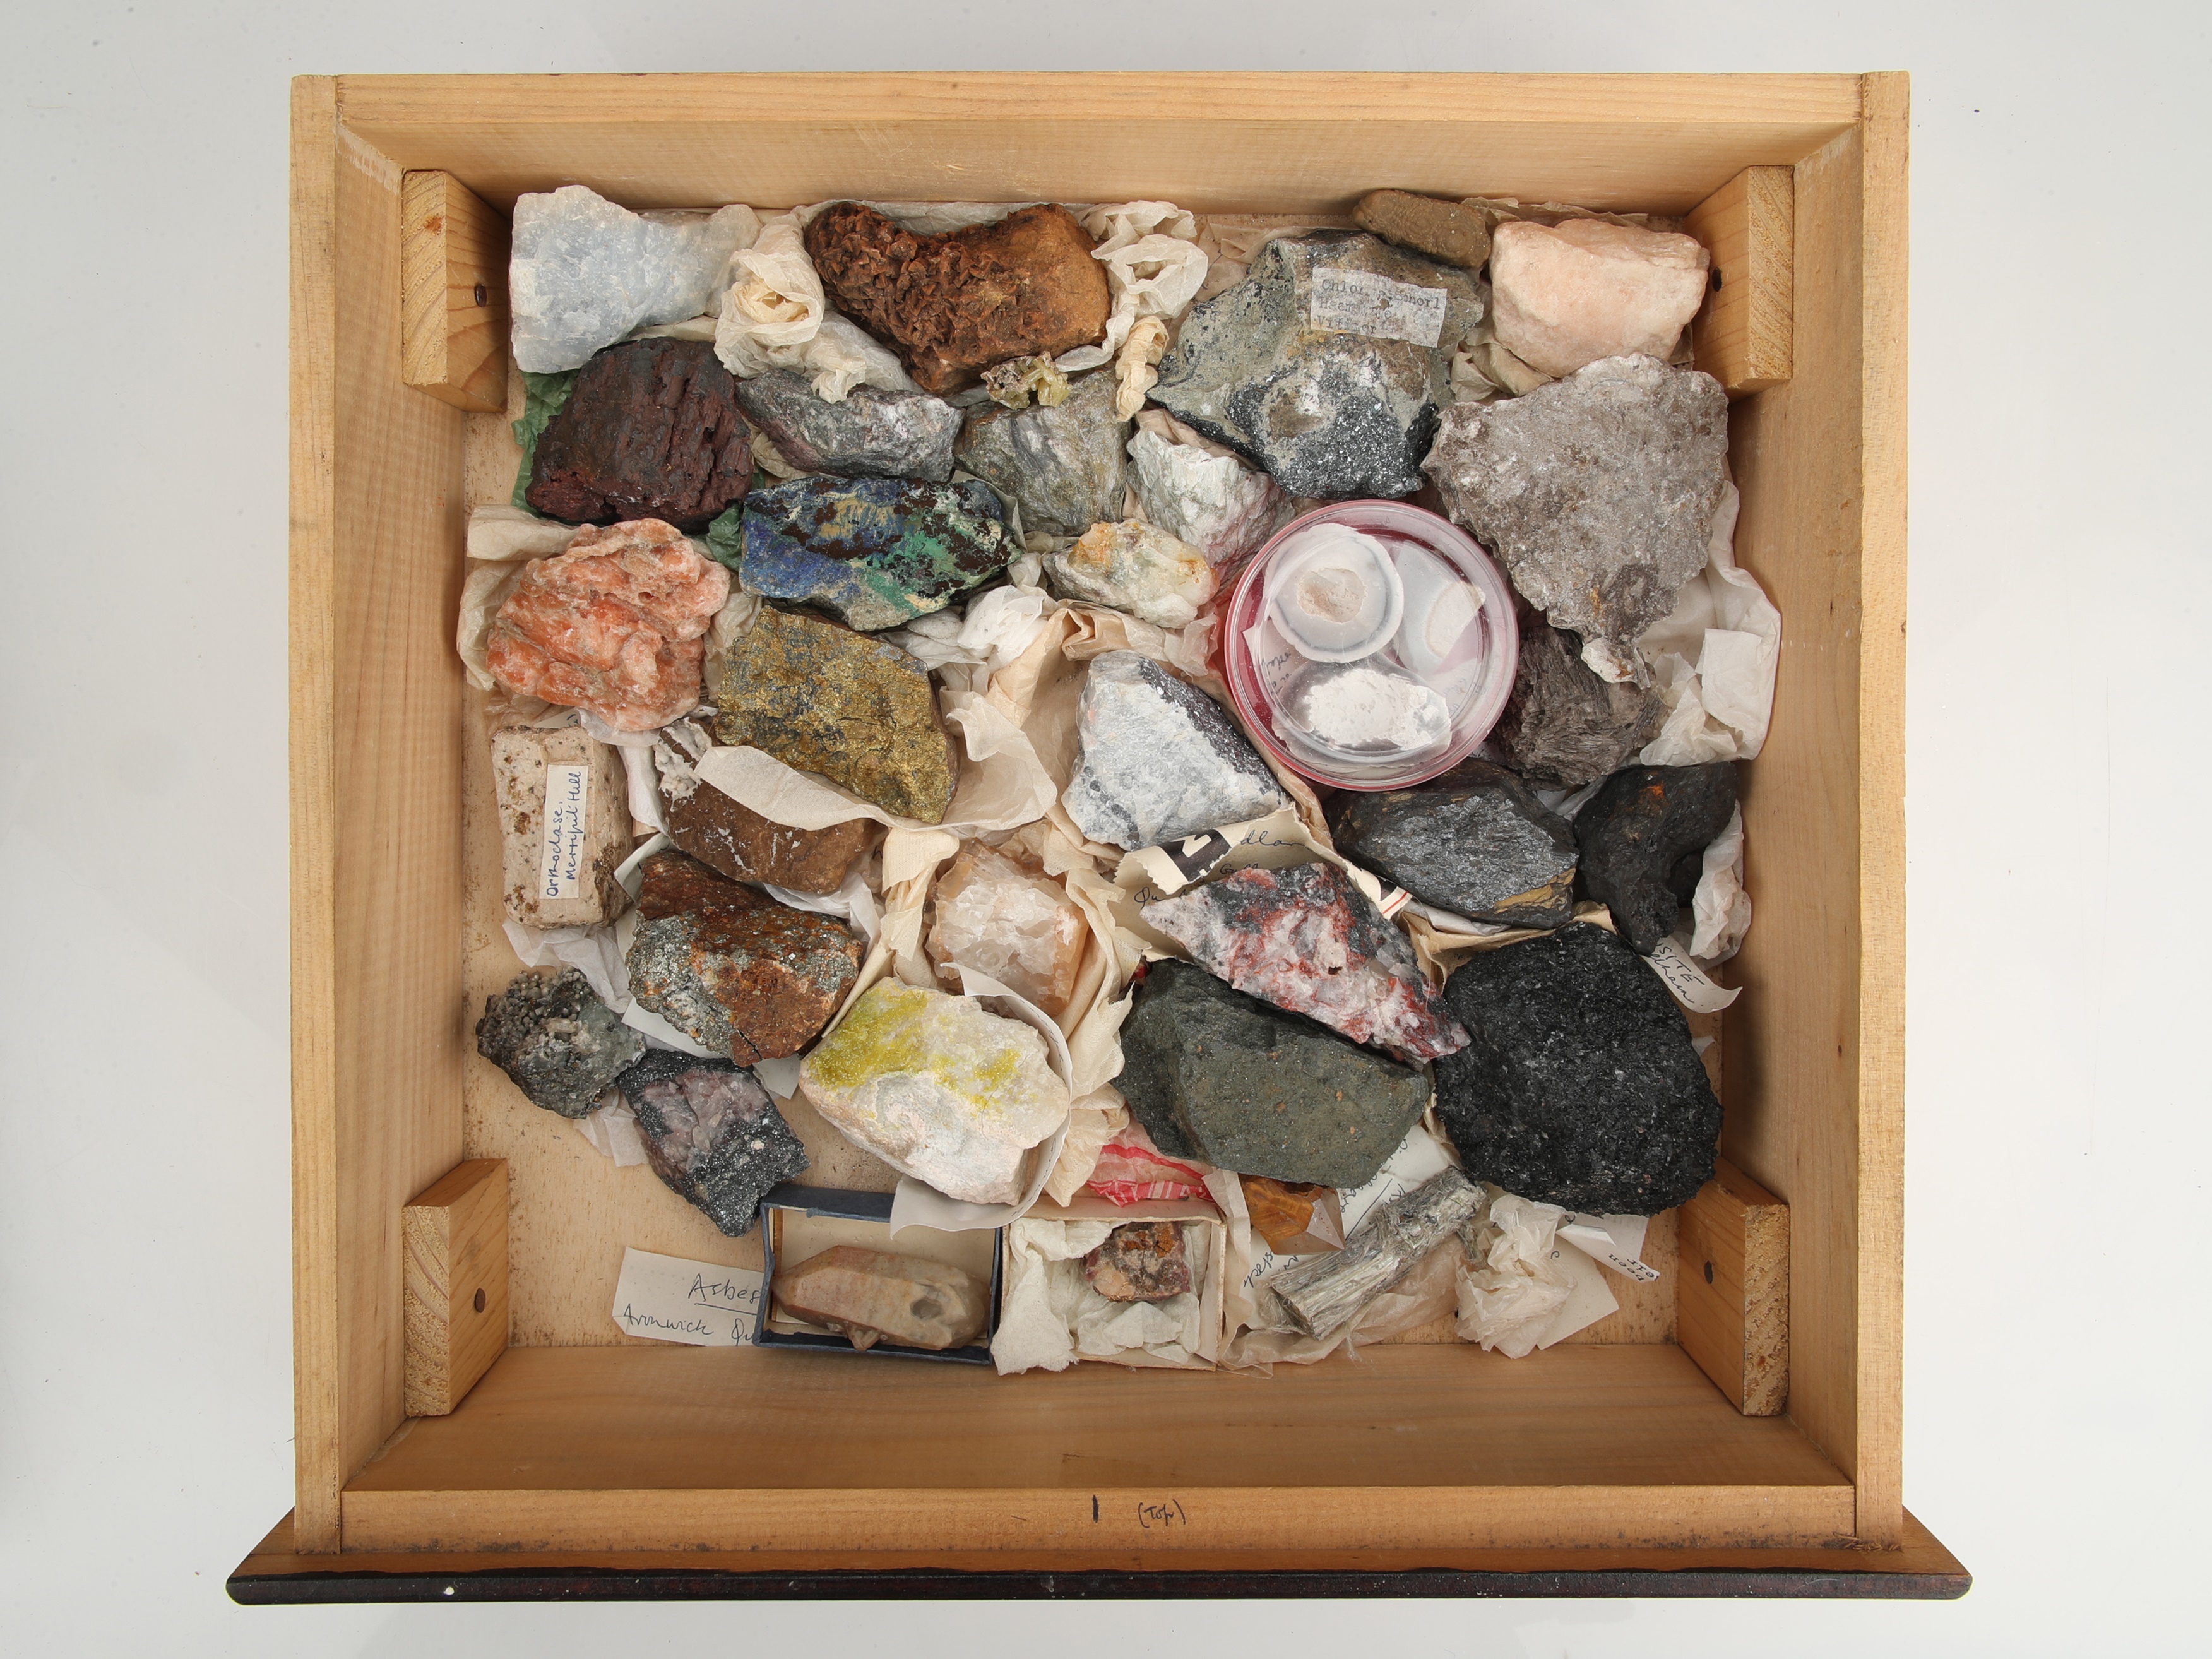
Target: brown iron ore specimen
<point>1445,231</point>
<point>953,305</point>
<point>1297,1218</point>
<point>651,430</point>
<point>873,1296</point>
<point>730,836</point>
<point>731,967</point>
<point>1139,1261</point>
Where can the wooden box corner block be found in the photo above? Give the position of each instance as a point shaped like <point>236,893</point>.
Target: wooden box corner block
<point>452,293</point>
<point>1742,334</point>
<point>1732,1300</point>
<point>454,1234</point>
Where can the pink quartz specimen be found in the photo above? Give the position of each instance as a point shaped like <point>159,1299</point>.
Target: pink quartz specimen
<point>1306,939</point>
<point>614,625</point>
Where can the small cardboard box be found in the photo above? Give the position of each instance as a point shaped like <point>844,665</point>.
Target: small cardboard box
<point>800,1223</point>
<point>1210,1281</point>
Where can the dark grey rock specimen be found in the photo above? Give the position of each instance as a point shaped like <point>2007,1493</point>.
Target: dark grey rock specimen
<point>1159,760</point>
<point>1064,464</point>
<point>1597,491</point>
<point>1475,842</point>
<point>712,1134</point>
<point>1216,1075</point>
<point>872,434</point>
<point>1564,726</point>
<point>1641,835</point>
<point>1327,364</point>
<point>1581,1087</point>
<point>560,1043</point>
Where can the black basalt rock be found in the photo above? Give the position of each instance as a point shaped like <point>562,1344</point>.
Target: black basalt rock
<point>1475,842</point>
<point>1641,834</point>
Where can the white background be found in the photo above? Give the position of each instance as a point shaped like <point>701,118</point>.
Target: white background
<point>2056,1351</point>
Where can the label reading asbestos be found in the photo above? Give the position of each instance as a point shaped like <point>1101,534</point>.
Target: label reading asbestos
<point>1361,302</point>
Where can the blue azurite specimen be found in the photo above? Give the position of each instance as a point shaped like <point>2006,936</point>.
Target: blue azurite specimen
<point>875,553</point>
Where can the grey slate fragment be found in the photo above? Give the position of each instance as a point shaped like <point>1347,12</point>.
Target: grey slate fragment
<point>1158,760</point>
<point>1064,464</point>
<point>1217,1075</point>
<point>1597,492</point>
<point>1475,842</point>
<point>872,434</point>
<point>1563,727</point>
<point>1328,412</point>
<point>560,1043</point>
<point>1580,1088</point>
<point>712,1134</point>
<point>1641,835</point>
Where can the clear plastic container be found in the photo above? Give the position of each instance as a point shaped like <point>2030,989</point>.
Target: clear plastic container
<point>1370,645</point>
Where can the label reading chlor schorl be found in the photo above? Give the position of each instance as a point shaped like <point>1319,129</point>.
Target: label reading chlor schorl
<point>567,797</point>
<point>1361,302</point>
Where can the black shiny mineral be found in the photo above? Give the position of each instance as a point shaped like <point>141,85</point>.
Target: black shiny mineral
<point>1642,836</point>
<point>1475,842</point>
<point>712,1134</point>
<point>1580,1087</point>
<point>651,430</point>
<point>560,1043</point>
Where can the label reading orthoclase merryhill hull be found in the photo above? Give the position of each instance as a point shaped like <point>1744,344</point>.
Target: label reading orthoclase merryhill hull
<point>567,797</point>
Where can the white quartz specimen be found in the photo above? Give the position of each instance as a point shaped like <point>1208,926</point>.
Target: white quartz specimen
<point>1135,567</point>
<point>1021,929</point>
<point>1221,507</point>
<point>939,1088</point>
<point>1367,708</point>
<point>1440,606</point>
<point>1335,594</point>
<point>1567,294</point>
<point>1158,759</point>
<point>586,271</point>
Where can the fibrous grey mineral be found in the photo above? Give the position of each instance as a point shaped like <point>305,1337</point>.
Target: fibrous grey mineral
<point>585,272</point>
<point>1475,842</point>
<point>1158,759</point>
<point>1580,1088</point>
<point>1564,726</point>
<point>712,1134</point>
<point>1597,492</point>
<point>560,1043</point>
<point>1065,465</point>
<point>871,433</point>
<point>1327,364</point>
<point>1642,834</point>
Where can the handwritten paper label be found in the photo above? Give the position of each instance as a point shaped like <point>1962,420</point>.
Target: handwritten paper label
<point>672,1300</point>
<point>1361,302</point>
<point>1687,981</point>
<point>568,797</point>
<point>1615,1240</point>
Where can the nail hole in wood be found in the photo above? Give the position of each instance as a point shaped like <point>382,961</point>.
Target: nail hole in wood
<point>1709,1280</point>
<point>1716,282</point>
<point>484,294</point>
<point>480,1295</point>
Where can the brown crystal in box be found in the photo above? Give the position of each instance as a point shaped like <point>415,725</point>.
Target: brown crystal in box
<point>730,837</point>
<point>873,1296</point>
<point>1139,1261</point>
<point>1296,1218</point>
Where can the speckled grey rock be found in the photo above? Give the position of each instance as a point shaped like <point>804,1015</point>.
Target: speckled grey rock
<point>560,1043</point>
<point>1564,726</point>
<point>1475,842</point>
<point>1642,834</point>
<point>1281,372</point>
<point>872,434</point>
<point>1158,759</point>
<point>1064,464</point>
<point>1597,492</point>
<point>712,1134</point>
<point>1580,1087</point>
<point>1214,1074</point>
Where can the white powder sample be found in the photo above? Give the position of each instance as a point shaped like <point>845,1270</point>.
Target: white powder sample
<point>1358,709</point>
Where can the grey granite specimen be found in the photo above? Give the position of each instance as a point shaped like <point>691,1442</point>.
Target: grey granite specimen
<point>1326,365</point>
<point>1642,834</point>
<point>1063,464</point>
<point>1597,491</point>
<point>560,1043</point>
<point>1217,1075</point>
<point>1475,842</point>
<point>1581,1087</point>
<point>1564,726</point>
<point>1159,760</point>
<point>1322,1293</point>
<point>872,434</point>
<point>712,1134</point>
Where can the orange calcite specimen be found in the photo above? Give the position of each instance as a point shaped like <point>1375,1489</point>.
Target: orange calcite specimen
<point>1296,1218</point>
<point>872,1296</point>
<point>616,625</point>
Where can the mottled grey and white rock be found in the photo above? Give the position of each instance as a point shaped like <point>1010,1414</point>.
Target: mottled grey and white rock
<point>871,433</point>
<point>1580,1088</point>
<point>1642,835</point>
<point>1215,503</point>
<point>1475,842</point>
<point>1326,365</point>
<point>561,1044</point>
<point>1158,759</point>
<point>1323,1292</point>
<point>712,1134</point>
<point>1564,726</point>
<point>584,272</point>
<point>1214,1074</point>
<point>1597,492</point>
<point>1136,568</point>
<point>1065,463</point>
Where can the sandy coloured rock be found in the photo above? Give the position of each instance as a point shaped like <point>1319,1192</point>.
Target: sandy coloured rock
<point>558,858</point>
<point>1443,231</point>
<point>1567,296</point>
<point>874,1296</point>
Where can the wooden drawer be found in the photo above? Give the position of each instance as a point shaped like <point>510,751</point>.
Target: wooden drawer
<point>596,1463</point>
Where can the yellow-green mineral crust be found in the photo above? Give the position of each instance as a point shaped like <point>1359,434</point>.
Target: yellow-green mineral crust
<point>860,711</point>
